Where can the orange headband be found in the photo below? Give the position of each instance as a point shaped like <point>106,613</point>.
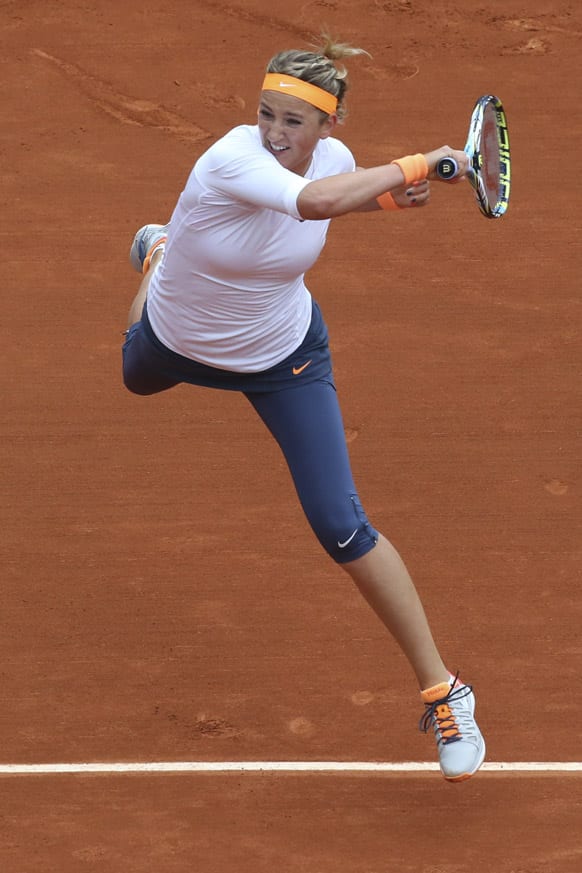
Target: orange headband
<point>303,90</point>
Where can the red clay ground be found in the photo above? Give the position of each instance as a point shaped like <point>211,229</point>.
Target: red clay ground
<point>163,597</point>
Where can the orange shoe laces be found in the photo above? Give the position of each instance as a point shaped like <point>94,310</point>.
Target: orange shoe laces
<point>440,714</point>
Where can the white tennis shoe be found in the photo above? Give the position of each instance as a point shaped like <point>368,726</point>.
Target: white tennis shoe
<point>450,708</point>
<point>147,240</point>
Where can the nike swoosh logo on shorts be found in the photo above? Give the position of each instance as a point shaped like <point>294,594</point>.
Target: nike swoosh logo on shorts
<point>298,370</point>
<point>348,541</point>
<point>286,85</point>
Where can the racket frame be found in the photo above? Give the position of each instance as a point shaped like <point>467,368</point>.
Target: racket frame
<point>447,168</point>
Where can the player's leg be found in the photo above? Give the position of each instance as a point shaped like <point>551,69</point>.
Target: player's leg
<point>306,421</point>
<point>144,367</point>
<point>145,254</point>
<point>385,583</point>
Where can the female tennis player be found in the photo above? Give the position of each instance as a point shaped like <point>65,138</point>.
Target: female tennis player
<point>223,304</point>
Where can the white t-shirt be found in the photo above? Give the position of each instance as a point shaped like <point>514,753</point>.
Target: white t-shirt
<point>229,291</point>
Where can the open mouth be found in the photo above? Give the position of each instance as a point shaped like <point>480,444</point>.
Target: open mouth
<point>277,150</point>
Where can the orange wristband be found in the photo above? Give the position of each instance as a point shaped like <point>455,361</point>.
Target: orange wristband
<point>414,168</point>
<point>387,201</point>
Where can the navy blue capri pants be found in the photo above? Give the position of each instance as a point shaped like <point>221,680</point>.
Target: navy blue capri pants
<point>297,401</point>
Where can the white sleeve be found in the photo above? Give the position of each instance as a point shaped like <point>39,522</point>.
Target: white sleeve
<point>250,175</point>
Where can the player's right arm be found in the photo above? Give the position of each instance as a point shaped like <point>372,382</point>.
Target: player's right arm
<point>358,191</point>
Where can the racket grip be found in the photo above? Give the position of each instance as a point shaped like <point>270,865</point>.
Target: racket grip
<point>447,168</point>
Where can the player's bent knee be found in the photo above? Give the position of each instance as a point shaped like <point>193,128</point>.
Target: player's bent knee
<point>345,535</point>
<point>362,543</point>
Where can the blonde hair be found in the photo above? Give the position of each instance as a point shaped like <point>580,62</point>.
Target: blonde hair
<point>318,68</point>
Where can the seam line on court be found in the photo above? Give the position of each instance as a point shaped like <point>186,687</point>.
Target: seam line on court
<point>281,767</point>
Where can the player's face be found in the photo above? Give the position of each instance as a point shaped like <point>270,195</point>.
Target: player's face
<point>291,128</point>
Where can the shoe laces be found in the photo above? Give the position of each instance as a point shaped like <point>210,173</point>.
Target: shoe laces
<point>441,715</point>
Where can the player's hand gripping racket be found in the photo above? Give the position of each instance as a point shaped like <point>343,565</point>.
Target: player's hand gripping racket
<point>487,148</point>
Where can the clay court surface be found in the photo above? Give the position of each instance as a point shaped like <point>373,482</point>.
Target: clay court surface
<point>163,599</point>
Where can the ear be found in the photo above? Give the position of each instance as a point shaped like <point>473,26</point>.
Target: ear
<point>328,126</point>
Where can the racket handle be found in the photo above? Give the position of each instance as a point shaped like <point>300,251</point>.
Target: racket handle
<point>447,168</point>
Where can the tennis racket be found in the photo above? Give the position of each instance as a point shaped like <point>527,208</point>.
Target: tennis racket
<point>487,148</point>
